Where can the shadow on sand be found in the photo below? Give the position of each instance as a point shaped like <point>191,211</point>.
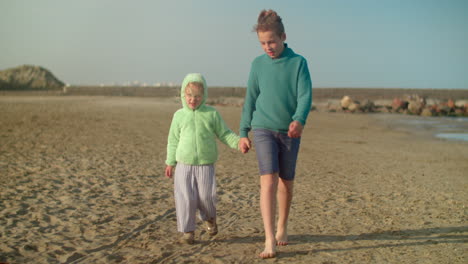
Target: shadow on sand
<point>384,239</point>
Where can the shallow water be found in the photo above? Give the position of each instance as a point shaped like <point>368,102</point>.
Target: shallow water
<point>444,128</point>
<point>453,136</point>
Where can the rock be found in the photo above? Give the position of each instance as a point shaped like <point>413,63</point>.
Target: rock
<point>3,85</point>
<point>354,107</point>
<point>432,101</point>
<point>426,112</point>
<point>320,106</point>
<point>28,77</point>
<point>461,103</point>
<point>383,102</point>
<point>416,104</point>
<point>443,109</point>
<point>346,101</point>
<point>333,106</point>
<point>415,107</point>
<point>232,101</point>
<point>368,106</point>
<point>399,105</point>
<point>459,112</point>
<point>385,109</point>
<point>451,104</point>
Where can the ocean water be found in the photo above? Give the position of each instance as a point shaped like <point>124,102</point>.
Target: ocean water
<point>448,128</point>
<point>453,136</point>
<point>443,128</point>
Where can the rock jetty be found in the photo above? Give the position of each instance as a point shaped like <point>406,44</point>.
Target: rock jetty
<point>407,104</point>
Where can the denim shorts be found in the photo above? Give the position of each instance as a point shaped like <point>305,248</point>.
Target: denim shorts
<point>276,153</point>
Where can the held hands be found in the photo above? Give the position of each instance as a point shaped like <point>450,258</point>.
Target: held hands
<point>169,171</point>
<point>295,129</point>
<point>244,145</point>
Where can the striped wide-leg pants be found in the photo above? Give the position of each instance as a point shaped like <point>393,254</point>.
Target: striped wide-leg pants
<point>194,188</point>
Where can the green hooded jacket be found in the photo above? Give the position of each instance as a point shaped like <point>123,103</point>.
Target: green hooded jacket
<point>192,135</point>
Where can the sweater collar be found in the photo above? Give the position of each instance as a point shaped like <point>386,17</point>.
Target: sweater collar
<point>286,53</point>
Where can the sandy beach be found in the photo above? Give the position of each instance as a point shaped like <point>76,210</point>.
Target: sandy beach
<point>83,181</point>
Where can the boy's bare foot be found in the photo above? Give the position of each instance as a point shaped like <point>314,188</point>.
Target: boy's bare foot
<point>281,239</point>
<point>269,251</point>
<point>211,227</point>
<point>187,238</point>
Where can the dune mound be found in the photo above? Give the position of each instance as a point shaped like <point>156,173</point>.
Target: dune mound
<point>29,77</point>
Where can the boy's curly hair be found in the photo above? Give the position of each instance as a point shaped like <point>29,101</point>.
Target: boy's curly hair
<point>269,20</point>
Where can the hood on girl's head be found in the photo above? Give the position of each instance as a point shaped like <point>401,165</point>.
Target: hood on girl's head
<point>189,78</point>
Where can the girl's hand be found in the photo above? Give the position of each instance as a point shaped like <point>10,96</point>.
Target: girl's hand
<point>169,171</point>
<point>295,129</point>
<point>244,145</point>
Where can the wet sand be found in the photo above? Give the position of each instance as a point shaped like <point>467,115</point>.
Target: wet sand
<point>83,182</point>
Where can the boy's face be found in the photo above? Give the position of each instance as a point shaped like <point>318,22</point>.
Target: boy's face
<point>193,96</point>
<point>271,43</point>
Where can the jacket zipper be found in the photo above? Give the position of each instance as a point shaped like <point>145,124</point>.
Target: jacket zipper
<point>195,135</point>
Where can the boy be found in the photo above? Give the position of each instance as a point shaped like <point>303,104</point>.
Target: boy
<point>276,106</point>
<point>192,150</point>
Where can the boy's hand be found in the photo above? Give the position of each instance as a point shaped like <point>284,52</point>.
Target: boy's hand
<point>244,144</point>
<point>295,129</point>
<point>169,170</point>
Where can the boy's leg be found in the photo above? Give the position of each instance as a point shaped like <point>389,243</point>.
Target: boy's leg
<point>285,194</point>
<point>268,189</point>
<point>185,194</point>
<point>267,151</point>
<point>289,150</point>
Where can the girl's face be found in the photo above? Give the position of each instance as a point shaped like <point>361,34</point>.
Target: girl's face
<point>271,43</point>
<point>193,96</point>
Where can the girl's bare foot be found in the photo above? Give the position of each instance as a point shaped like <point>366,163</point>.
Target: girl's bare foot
<point>282,239</point>
<point>211,227</point>
<point>187,238</point>
<point>269,251</point>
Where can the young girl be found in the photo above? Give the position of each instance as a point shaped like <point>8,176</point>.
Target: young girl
<point>277,103</point>
<point>192,150</point>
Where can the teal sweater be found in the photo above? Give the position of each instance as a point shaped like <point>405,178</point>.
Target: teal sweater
<point>192,135</point>
<point>278,92</point>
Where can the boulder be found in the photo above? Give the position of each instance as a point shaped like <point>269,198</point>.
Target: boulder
<point>28,77</point>
<point>427,112</point>
<point>333,106</point>
<point>459,111</point>
<point>346,101</point>
<point>415,107</point>
<point>354,107</point>
<point>399,105</point>
<point>384,109</point>
<point>383,102</point>
<point>231,101</point>
<point>432,101</point>
<point>451,104</point>
<point>3,85</point>
<point>443,109</point>
<point>461,103</point>
<point>368,106</point>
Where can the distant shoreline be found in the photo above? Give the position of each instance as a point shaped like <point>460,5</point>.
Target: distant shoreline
<point>319,94</point>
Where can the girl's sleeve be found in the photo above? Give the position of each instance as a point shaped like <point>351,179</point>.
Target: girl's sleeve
<point>225,134</point>
<point>249,103</point>
<point>304,94</point>
<point>173,141</point>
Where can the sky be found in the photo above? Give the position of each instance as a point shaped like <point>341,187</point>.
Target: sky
<point>347,43</point>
